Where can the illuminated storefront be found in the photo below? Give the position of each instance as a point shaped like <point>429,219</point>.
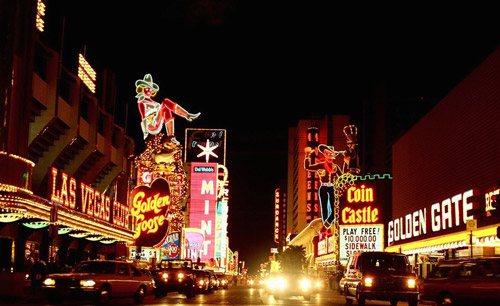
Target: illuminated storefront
<point>446,174</point>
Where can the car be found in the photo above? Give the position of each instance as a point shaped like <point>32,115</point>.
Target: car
<point>202,280</point>
<point>223,280</point>
<point>463,281</point>
<point>213,280</point>
<point>380,276</point>
<point>99,280</point>
<point>290,283</point>
<point>175,276</point>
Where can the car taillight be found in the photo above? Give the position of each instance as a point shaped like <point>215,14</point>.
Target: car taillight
<point>411,283</point>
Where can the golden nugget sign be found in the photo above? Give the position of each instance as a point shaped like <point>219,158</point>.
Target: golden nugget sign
<point>65,191</point>
<point>150,205</point>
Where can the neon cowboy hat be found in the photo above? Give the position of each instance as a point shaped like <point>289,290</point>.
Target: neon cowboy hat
<point>147,82</point>
<point>329,149</point>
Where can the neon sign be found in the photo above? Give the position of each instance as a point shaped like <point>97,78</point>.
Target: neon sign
<point>203,205</point>
<point>86,73</point>
<point>64,191</point>
<point>277,215</point>
<point>150,207</point>
<point>360,216</point>
<point>153,114</point>
<point>357,195</point>
<point>208,145</point>
<point>446,214</point>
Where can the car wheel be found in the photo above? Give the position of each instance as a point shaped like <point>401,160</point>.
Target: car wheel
<point>103,295</point>
<point>348,301</point>
<point>413,302</point>
<point>360,298</point>
<point>139,295</point>
<point>190,292</point>
<point>394,302</point>
<point>446,299</point>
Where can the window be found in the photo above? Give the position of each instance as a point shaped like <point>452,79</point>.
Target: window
<point>135,272</point>
<point>123,269</point>
<point>465,271</point>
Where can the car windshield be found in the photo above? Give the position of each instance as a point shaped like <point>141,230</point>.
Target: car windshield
<point>380,261</point>
<point>441,271</point>
<point>96,267</point>
<point>176,264</point>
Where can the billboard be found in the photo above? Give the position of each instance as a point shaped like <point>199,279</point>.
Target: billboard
<point>203,205</point>
<point>151,207</point>
<point>205,145</point>
<point>360,238</point>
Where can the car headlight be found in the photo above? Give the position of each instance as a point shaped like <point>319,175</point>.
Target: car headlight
<point>87,283</point>
<point>180,275</point>
<point>201,282</point>
<point>224,282</point>
<point>412,283</point>
<point>165,275</point>
<point>368,281</point>
<point>49,282</point>
<point>318,284</point>
<point>281,283</point>
<point>250,282</point>
<point>305,284</point>
<point>261,282</point>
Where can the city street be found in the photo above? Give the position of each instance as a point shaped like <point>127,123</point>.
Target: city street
<point>240,295</point>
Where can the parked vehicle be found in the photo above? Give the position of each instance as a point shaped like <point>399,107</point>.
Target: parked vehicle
<point>379,276</point>
<point>175,276</point>
<point>100,281</point>
<point>472,281</point>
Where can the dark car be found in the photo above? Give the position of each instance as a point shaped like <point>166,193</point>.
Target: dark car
<point>222,279</point>
<point>175,276</point>
<point>379,276</point>
<point>474,281</point>
<point>284,284</point>
<point>100,281</point>
<point>202,280</point>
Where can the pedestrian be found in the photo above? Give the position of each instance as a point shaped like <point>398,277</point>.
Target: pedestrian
<point>37,274</point>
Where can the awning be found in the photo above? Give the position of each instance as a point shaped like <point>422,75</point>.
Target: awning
<point>32,206</point>
<point>481,237</point>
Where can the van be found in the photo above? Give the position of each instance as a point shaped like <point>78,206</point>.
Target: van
<point>379,276</point>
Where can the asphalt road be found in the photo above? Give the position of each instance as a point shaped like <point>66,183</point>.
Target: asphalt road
<point>240,295</point>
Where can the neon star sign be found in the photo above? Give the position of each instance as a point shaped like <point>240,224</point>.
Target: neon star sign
<point>208,150</point>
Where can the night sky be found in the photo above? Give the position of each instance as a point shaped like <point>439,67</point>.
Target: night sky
<point>256,67</point>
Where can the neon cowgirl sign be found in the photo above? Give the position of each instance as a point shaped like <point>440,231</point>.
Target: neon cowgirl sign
<point>150,207</point>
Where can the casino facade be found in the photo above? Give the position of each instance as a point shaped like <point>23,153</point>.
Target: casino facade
<point>446,172</point>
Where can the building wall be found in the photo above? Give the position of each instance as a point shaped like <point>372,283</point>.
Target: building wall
<point>454,147</point>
